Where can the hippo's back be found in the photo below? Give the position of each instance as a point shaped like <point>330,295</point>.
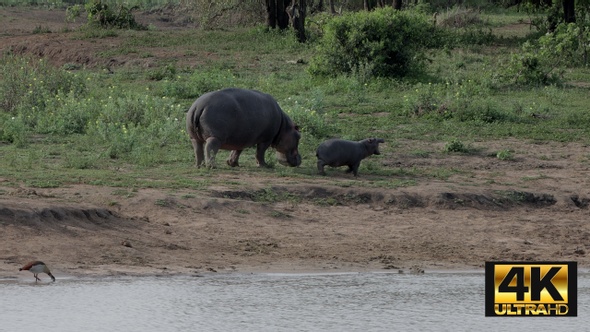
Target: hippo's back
<point>239,118</point>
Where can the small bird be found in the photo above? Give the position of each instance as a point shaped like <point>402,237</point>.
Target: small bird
<point>37,267</point>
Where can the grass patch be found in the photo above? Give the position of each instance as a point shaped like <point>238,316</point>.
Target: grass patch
<point>125,128</point>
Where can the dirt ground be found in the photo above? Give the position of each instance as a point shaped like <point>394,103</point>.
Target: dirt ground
<point>532,208</point>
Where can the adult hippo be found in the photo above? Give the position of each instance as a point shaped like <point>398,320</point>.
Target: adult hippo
<point>339,152</point>
<point>235,119</point>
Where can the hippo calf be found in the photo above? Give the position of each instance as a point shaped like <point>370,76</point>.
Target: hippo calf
<point>235,119</point>
<point>338,152</point>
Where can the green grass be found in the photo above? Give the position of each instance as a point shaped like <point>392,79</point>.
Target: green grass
<point>126,129</point>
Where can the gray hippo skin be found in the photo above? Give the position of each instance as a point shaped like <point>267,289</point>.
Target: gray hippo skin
<point>235,119</point>
<point>338,152</point>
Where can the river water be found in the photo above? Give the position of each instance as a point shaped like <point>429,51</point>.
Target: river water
<point>267,302</point>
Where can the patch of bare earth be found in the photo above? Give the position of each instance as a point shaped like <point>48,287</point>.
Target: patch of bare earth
<point>45,33</point>
<point>532,208</point>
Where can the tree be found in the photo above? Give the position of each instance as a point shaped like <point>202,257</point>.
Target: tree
<point>276,15</point>
<point>331,5</point>
<point>569,11</point>
<point>282,13</point>
<point>271,14</point>
<point>297,12</point>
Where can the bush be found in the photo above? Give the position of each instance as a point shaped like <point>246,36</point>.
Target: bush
<point>455,145</point>
<point>505,154</point>
<point>13,130</point>
<point>543,62</point>
<point>198,83</point>
<point>100,14</point>
<point>464,101</point>
<point>384,42</point>
<point>28,83</point>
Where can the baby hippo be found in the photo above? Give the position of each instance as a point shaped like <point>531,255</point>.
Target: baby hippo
<point>338,152</point>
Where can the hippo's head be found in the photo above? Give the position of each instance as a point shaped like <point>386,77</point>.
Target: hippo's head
<point>287,152</point>
<point>372,145</point>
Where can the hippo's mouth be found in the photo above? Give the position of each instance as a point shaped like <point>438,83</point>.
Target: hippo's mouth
<point>292,159</point>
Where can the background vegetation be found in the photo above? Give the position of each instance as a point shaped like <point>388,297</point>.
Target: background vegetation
<point>488,75</point>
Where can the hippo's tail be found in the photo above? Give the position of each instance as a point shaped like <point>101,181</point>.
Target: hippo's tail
<point>193,117</point>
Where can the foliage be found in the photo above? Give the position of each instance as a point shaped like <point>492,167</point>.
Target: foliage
<point>455,145</point>
<point>544,61</point>
<point>59,122</point>
<point>73,12</point>
<point>222,13</point>
<point>100,14</point>
<point>198,82</point>
<point>382,43</point>
<point>459,17</point>
<point>28,83</point>
<point>312,122</point>
<point>463,101</point>
<point>505,154</point>
<point>13,130</point>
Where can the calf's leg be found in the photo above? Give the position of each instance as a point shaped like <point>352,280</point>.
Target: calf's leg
<point>321,165</point>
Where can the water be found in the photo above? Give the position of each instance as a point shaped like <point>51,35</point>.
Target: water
<point>267,302</point>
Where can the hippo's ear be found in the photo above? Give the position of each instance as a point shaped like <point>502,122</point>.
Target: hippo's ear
<point>371,140</point>
<point>296,127</point>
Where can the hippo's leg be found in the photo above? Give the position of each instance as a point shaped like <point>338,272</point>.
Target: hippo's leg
<point>321,165</point>
<point>211,148</point>
<point>233,158</point>
<point>260,150</point>
<point>354,168</point>
<point>199,153</point>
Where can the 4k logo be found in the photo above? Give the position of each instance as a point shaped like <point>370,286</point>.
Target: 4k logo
<point>531,289</point>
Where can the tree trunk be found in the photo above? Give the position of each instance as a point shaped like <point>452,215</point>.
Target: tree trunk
<point>397,4</point>
<point>282,17</point>
<point>331,5</point>
<point>569,11</point>
<point>271,14</point>
<point>297,12</point>
<point>320,7</point>
<point>276,15</point>
<point>366,5</point>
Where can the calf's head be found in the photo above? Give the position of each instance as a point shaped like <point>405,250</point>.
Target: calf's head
<point>372,145</point>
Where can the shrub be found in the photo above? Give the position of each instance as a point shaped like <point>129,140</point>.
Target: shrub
<point>100,14</point>
<point>198,83</point>
<point>13,130</point>
<point>455,146</point>
<point>465,101</point>
<point>27,83</point>
<point>311,122</point>
<point>543,62</point>
<point>482,111</point>
<point>384,42</point>
<point>505,154</point>
<point>65,114</point>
